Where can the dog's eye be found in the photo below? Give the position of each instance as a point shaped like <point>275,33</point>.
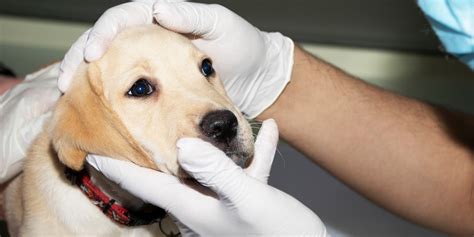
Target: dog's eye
<point>206,68</point>
<point>141,88</point>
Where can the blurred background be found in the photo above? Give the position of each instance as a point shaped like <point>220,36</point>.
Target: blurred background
<point>385,42</point>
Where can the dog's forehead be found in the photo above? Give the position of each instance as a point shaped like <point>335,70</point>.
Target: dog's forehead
<point>148,45</point>
<point>147,52</point>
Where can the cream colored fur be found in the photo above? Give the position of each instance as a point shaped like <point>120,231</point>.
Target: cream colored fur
<point>96,116</point>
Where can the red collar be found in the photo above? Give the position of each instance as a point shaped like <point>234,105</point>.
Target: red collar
<point>108,206</point>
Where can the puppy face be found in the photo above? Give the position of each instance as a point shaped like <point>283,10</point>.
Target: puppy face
<point>151,88</point>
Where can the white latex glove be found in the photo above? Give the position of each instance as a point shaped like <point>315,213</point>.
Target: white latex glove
<point>245,205</point>
<point>255,66</point>
<point>23,111</point>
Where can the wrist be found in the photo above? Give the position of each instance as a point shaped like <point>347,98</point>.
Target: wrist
<point>299,67</point>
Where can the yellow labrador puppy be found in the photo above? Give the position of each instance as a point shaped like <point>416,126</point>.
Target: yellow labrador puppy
<point>151,88</point>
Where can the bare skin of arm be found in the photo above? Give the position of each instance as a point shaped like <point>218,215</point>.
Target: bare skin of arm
<point>7,83</point>
<point>410,157</point>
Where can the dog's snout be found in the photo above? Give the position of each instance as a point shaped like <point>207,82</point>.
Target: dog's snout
<point>220,126</point>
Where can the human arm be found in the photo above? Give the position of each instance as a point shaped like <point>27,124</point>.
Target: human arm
<point>7,82</point>
<point>413,158</point>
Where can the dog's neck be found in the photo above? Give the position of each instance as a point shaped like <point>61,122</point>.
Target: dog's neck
<point>114,202</point>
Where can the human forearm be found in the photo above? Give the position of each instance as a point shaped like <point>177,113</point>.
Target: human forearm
<point>403,154</point>
<point>7,82</point>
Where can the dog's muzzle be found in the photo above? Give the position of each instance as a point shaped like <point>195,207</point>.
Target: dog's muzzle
<point>220,128</point>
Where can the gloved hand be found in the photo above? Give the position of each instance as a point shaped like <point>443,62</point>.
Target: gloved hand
<point>255,66</point>
<point>245,204</point>
<point>23,110</point>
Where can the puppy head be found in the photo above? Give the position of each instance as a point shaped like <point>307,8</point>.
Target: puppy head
<point>151,88</point>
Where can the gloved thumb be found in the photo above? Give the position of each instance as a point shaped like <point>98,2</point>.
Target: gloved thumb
<point>211,167</point>
<point>112,22</point>
<point>187,18</point>
<point>265,147</point>
<point>71,61</point>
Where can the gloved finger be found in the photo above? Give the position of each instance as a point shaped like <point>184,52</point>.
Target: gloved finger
<point>212,168</point>
<point>265,147</point>
<point>71,61</point>
<point>112,22</point>
<point>188,18</point>
<point>155,187</point>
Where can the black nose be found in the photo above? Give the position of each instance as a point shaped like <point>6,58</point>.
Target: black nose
<point>220,126</point>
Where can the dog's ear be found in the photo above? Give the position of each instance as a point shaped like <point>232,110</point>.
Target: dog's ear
<point>84,122</point>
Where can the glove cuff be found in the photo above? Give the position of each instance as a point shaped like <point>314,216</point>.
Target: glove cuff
<point>275,75</point>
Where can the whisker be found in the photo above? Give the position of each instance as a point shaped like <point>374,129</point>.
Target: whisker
<point>281,157</point>
<point>254,122</point>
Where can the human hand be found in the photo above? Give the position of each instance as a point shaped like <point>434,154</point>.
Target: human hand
<point>255,66</point>
<point>245,204</point>
<point>23,111</point>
